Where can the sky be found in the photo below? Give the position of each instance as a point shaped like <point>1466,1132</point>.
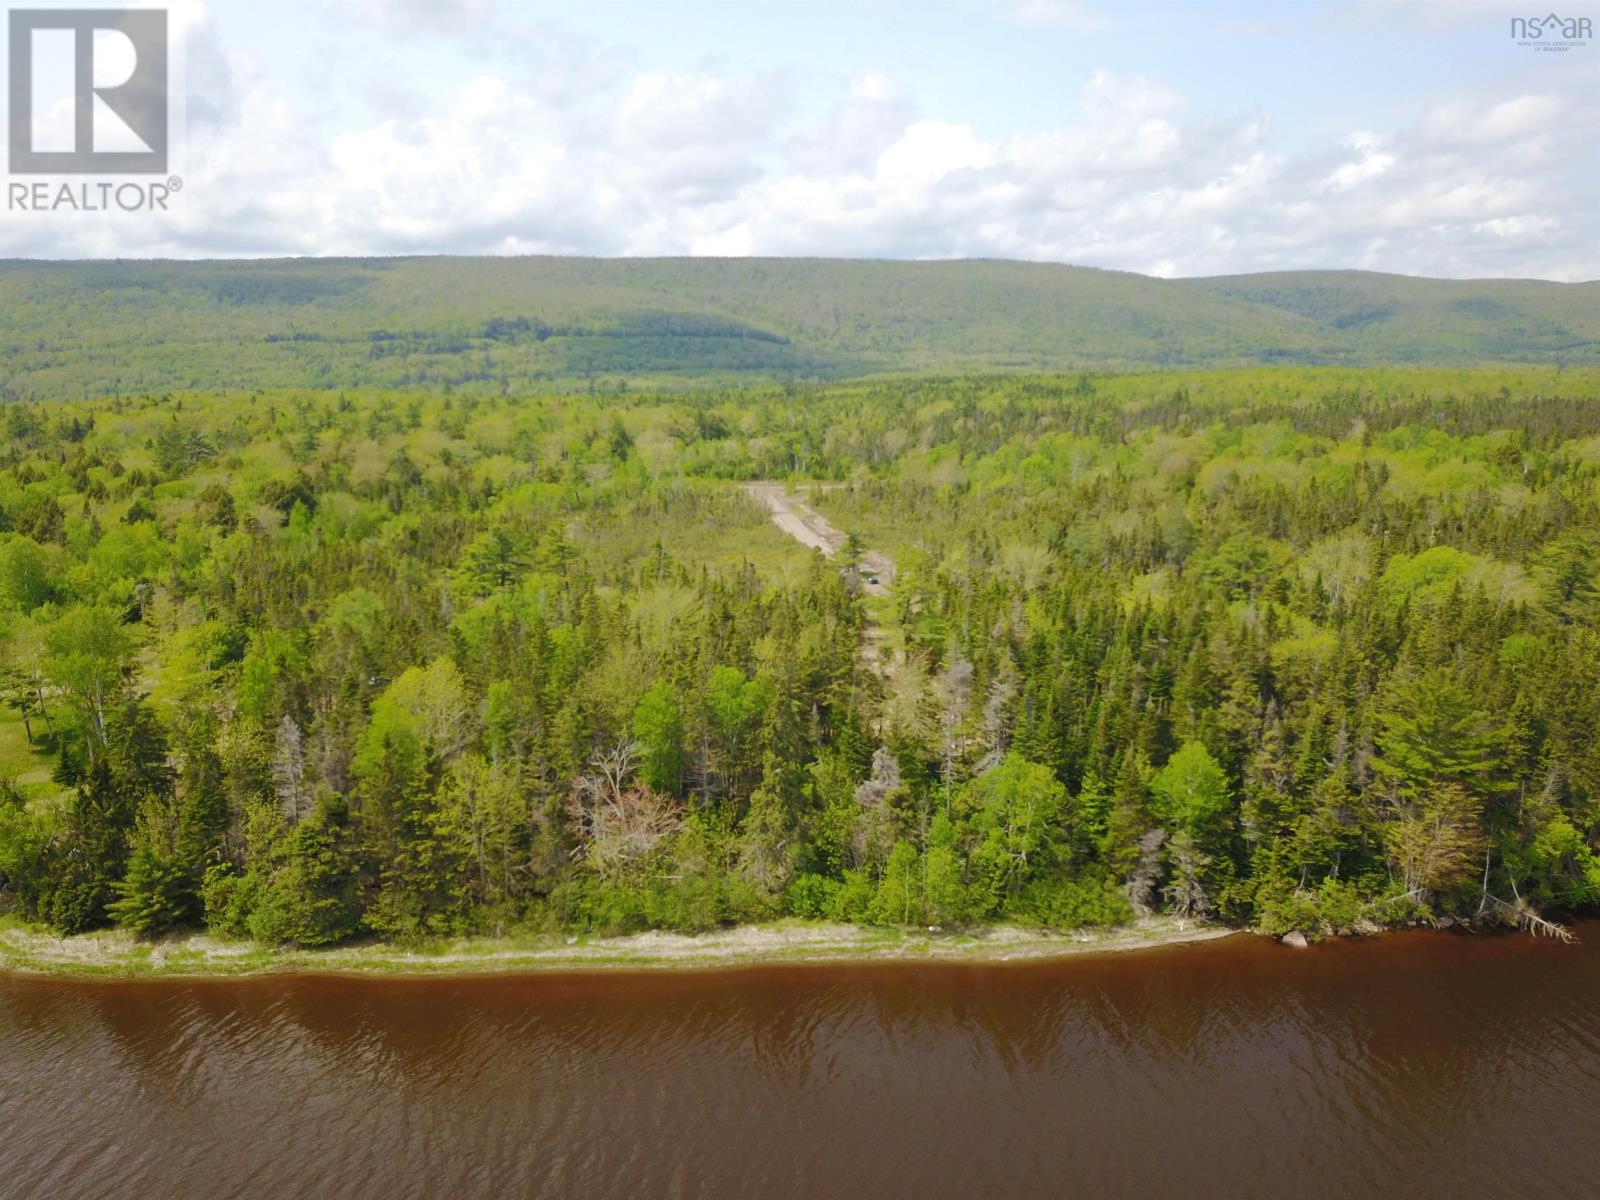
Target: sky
<point>1173,139</point>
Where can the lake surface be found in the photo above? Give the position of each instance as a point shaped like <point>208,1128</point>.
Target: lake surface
<point>1420,1065</point>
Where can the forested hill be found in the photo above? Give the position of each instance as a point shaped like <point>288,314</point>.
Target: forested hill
<point>499,324</point>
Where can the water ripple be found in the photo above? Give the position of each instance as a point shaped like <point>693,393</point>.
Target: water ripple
<point>1428,1065</point>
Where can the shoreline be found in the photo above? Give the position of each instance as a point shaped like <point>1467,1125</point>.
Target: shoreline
<point>117,955</point>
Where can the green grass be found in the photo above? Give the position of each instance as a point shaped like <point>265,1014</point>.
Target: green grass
<point>732,530</point>
<point>26,764</point>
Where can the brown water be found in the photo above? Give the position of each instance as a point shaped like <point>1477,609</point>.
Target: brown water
<point>1416,1065</point>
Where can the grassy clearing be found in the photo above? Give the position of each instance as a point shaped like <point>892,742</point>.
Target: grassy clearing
<point>23,762</point>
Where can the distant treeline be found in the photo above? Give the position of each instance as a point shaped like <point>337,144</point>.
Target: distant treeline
<point>496,326</point>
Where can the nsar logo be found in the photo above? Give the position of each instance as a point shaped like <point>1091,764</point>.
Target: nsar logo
<point>1551,32</point>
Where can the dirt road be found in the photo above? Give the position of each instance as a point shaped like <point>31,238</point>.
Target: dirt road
<point>810,528</point>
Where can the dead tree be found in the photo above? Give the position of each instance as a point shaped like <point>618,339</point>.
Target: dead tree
<point>1140,887</point>
<point>617,823</point>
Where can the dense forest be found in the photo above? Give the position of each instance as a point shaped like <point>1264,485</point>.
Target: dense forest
<point>1296,648</point>
<point>504,326</point>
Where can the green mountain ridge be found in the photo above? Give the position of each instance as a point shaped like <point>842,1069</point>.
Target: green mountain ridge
<point>497,324</point>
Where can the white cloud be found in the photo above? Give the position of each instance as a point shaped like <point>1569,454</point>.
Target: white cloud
<point>662,112</point>
<point>1115,96</point>
<point>1520,116</point>
<point>1371,161</point>
<point>713,162</point>
<point>872,117</point>
<point>927,153</point>
<point>1516,227</point>
<point>431,18</point>
<point>1073,14</point>
<point>737,242</point>
<point>873,87</point>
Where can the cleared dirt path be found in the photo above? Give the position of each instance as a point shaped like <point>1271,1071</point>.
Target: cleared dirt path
<point>810,528</point>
